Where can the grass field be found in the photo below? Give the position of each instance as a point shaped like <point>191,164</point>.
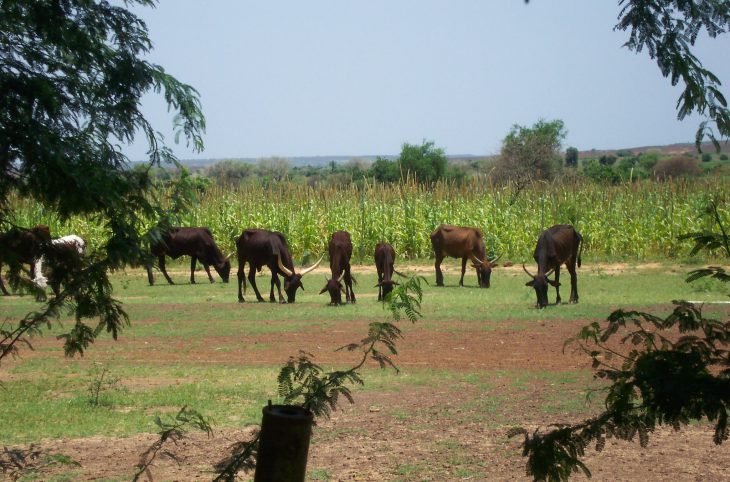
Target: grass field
<point>478,362</point>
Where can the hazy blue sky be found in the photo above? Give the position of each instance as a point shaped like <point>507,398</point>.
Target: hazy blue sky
<point>295,78</point>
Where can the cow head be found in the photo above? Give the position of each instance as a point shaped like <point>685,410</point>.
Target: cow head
<point>292,280</point>
<point>540,282</point>
<point>484,269</point>
<point>334,288</point>
<point>224,270</point>
<point>387,287</point>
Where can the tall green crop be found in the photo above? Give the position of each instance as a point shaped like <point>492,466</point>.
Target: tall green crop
<point>635,221</point>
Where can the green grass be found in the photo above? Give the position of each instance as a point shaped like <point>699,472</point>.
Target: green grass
<point>46,395</point>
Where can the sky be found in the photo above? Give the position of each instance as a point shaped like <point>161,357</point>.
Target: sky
<point>343,77</point>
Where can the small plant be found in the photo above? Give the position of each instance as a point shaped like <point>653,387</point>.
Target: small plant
<point>171,429</point>
<point>101,382</point>
<point>303,382</point>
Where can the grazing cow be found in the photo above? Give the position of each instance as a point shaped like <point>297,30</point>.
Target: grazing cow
<point>24,246</point>
<point>384,259</point>
<point>464,243</point>
<point>198,243</point>
<point>340,251</point>
<point>556,245</point>
<point>259,248</point>
<point>65,256</point>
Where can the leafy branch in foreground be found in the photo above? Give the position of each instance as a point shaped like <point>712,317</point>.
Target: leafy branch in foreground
<point>172,429</point>
<point>662,371</point>
<point>305,383</point>
<point>654,381</point>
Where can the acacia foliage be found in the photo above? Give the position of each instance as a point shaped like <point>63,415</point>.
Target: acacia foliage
<point>531,153</point>
<point>72,77</point>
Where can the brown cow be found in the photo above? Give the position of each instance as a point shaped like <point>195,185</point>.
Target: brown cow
<point>198,243</point>
<point>464,243</point>
<point>556,245</point>
<point>340,251</point>
<point>259,248</point>
<point>384,260</point>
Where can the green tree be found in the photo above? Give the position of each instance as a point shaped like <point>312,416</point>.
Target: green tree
<point>668,29</point>
<point>384,170</point>
<point>571,157</point>
<point>230,172</point>
<point>531,153</point>
<point>72,77</point>
<point>426,162</point>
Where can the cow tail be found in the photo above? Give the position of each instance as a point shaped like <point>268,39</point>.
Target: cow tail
<point>580,250</point>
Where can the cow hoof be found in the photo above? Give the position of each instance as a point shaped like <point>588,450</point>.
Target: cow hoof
<point>282,302</point>
<point>557,302</point>
<point>192,282</point>
<point>240,300</point>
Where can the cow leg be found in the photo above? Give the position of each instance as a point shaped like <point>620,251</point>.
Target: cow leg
<point>207,270</point>
<point>348,284</point>
<point>241,281</point>
<point>193,260</point>
<point>2,285</point>
<point>164,271</point>
<point>439,274</point>
<point>463,270</point>
<point>150,278</point>
<point>380,287</point>
<point>573,283</point>
<point>252,279</point>
<point>275,281</point>
<point>557,285</point>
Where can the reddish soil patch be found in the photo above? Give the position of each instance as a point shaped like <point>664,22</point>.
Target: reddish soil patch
<point>453,431</point>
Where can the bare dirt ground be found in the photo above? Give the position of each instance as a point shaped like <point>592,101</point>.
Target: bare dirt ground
<point>454,431</point>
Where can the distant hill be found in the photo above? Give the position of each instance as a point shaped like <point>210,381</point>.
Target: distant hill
<point>317,161</point>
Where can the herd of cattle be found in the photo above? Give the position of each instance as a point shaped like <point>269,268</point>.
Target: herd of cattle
<point>560,244</point>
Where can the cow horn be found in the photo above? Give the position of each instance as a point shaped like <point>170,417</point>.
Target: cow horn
<point>528,273</point>
<point>549,272</point>
<point>302,273</point>
<point>229,256</point>
<point>287,272</point>
<point>494,260</point>
<point>476,260</point>
<point>339,280</point>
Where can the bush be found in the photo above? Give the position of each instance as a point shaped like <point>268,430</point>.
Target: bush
<point>598,172</point>
<point>723,157</point>
<point>677,166</point>
<point>571,157</point>
<point>647,160</point>
<point>706,157</point>
<point>607,160</point>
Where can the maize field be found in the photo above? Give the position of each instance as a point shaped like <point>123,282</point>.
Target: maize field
<point>637,221</point>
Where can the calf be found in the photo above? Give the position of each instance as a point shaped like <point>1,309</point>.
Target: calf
<point>340,251</point>
<point>555,246</point>
<point>465,243</point>
<point>198,243</point>
<point>259,248</point>
<point>384,260</point>
<point>24,246</point>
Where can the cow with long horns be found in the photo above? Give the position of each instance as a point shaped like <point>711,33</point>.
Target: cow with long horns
<point>340,251</point>
<point>556,245</point>
<point>467,244</point>
<point>198,243</point>
<point>384,259</point>
<point>259,248</point>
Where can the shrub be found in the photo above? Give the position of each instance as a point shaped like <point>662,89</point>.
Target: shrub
<point>598,172</point>
<point>571,157</point>
<point>677,166</point>
<point>706,157</point>
<point>607,160</point>
<point>647,160</point>
<point>723,157</point>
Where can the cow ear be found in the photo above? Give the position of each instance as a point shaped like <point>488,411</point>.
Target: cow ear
<point>323,289</point>
<point>495,265</point>
<point>530,283</point>
<point>554,283</point>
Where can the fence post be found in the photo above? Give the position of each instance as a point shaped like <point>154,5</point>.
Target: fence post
<point>284,444</point>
